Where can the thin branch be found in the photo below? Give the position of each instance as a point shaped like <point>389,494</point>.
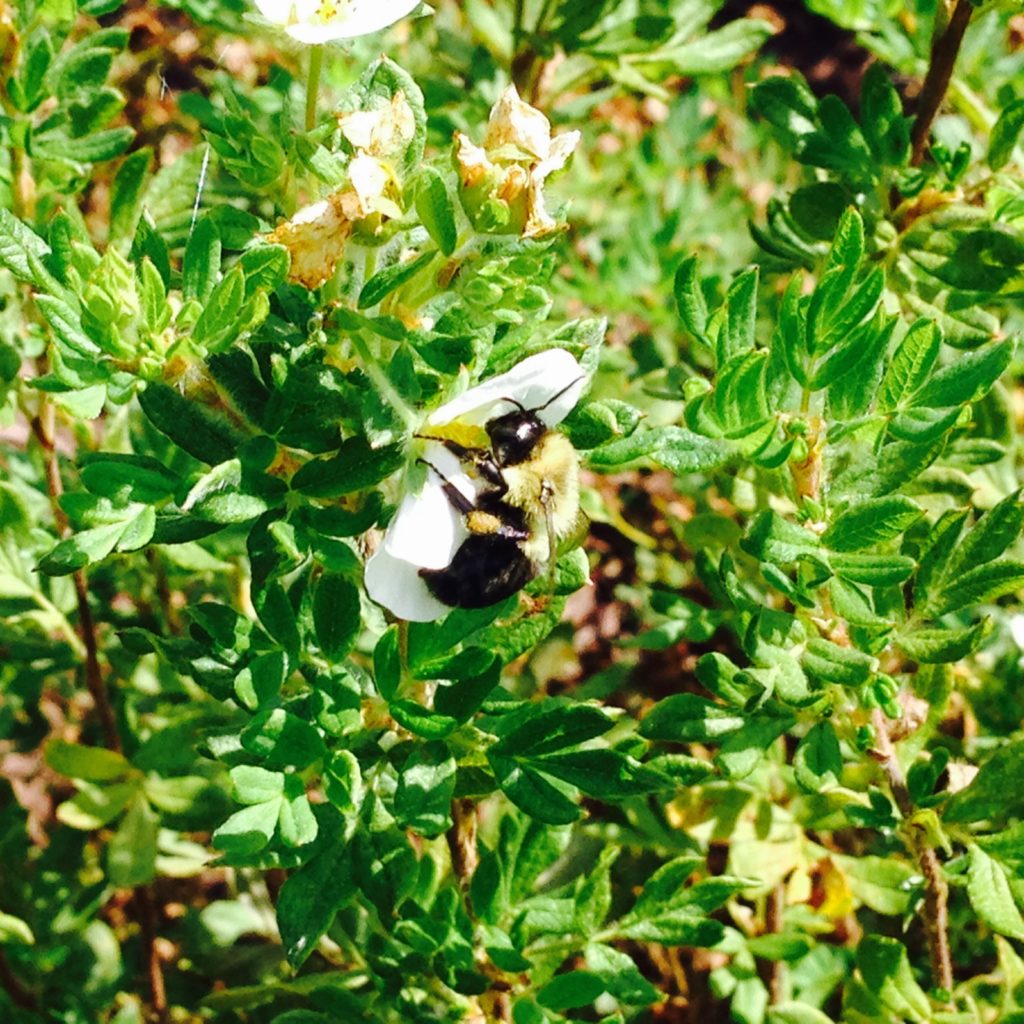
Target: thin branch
<point>43,426</point>
<point>13,986</point>
<point>945,47</point>
<point>774,971</point>
<point>462,844</point>
<point>936,892</point>
<point>154,969</point>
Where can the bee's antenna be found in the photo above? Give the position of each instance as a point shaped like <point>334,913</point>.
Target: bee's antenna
<point>554,398</point>
<point>519,405</point>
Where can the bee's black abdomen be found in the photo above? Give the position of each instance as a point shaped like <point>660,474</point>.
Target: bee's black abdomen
<point>486,569</point>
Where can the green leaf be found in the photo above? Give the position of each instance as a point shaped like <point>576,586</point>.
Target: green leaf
<point>873,570</point>
<point>1005,133</point>
<point>796,1013</point>
<point>737,334</point>
<point>94,806</point>
<point>553,728</point>
<point>89,546</point>
<point>968,378</point>
<point>354,467</point>
<point>571,990</point>
<point>127,478</point>
<point>251,784</point>
<point>605,774</point>
<point>666,885</point>
<point>336,616</point>
<point>436,211</point>
<point>937,646</point>
<point>744,750</point>
<point>788,104</point>
<point>771,538</point>
<point>219,319</point>
<point>674,448</point>
<point>311,897</point>
<point>886,971</point>
<point>93,764</point>
<point>283,739</point>
<point>997,791</point>
<point>688,718</point>
<point>531,793</point>
<point>131,853</point>
<point>911,366</point>
<point>836,664</point>
<point>674,928</point>
<point>981,585</point>
<point>818,762</point>
<point>247,831</point>
<point>201,264</point>
<point>620,975</point>
<point>990,894</point>
<point>392,278</point>
<point>22,251</point>
<point>264,266</point>
<point>693,308</point>
<point>89,149</point>
<point>871,522</point>
<point>462,696</point>
<point>426,784</point>
<point>191,427</point>
<point>296,822</point>
<point>126,196</point>
<point>420,720</point>
<point>14,931</point>
<point>994,532</point>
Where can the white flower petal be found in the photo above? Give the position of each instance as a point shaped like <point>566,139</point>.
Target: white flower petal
<point>424,534</point>
<point>398,586</point>
<point>368,16</point>
<point>515,123</point>
<point>277,11</point>
<point>1017,629</point>
<point>562,147</point>
<point>533,383</point>
<point>324,21</point>
<point>426,530</point>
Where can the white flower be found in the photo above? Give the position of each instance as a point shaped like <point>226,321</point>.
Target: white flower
<point>316,235</point>
<point>517,157</point>
<point>324,21</point>
<point>426,531</point>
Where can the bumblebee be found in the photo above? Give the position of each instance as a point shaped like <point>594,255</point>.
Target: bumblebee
<point>528,501</point>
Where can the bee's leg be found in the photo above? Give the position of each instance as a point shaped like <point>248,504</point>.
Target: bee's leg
<point>494,516</point>
<point>481,458</point>
<point>546,495</point>
<point>455,497</point>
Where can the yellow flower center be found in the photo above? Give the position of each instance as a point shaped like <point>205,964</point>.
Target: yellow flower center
<point>329,10</point>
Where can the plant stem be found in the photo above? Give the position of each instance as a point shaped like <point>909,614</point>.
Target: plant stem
<point>12,985</point>
<point>373,370</point>
<point>154,969</point>
<point>945,47</point>
<point>462,844</point>
<point>316,63</point>
<point>773,972</point>
<point>936,892</point>
<point>43,426</point>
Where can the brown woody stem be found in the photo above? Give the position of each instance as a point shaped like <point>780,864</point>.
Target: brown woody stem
<point>43,426</point>
<point>936,892</point>
<point>945,47</point>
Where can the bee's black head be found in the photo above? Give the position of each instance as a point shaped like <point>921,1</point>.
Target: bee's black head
<point>515,435</point>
